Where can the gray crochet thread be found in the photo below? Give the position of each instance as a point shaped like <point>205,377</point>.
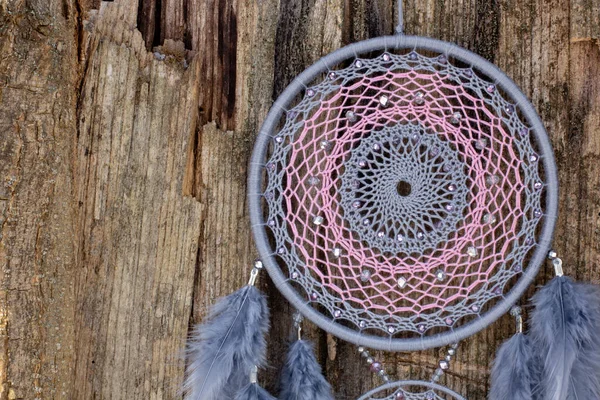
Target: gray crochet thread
<point>411,390</point>
<point>316,259</point>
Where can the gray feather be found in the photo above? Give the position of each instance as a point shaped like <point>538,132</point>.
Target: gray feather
<point>565,328</point>
<point>222,351</point>
<point>253,392</point>
<point>301,377</point>
<point>510,374</point>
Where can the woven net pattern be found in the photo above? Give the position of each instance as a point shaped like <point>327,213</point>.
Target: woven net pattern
<point>412,393</point>
<point>403,194</point>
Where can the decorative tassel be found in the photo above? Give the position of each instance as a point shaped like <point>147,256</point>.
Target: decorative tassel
<point>301,378</point>
<point>565,334</point>
<point>223,350</point>
<point>253,391</point>
<point>511,378</point>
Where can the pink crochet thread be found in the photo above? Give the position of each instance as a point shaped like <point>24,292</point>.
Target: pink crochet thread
<point>427,257</point>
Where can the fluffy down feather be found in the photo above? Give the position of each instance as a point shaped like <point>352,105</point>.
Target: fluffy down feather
<point>565,336</point>
<point>301,377</point>
<point>222,351</point>
<point>510,374</point>
<point>253,392</point>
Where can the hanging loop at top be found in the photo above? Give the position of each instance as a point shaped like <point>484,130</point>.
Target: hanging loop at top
<point>400,26</point>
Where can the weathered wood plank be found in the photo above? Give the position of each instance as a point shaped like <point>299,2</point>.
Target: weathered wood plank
<point>38,94</point>
<point>138,233</point>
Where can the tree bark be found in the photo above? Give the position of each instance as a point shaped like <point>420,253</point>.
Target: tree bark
<point>125,133</point>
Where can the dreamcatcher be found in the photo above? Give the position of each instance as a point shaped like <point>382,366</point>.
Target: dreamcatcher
<point>403,195</point>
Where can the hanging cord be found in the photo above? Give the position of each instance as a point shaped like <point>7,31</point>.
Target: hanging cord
<point>400,26</point>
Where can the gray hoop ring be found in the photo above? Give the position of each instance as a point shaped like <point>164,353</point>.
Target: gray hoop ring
<point>400,384</point>
<point>255,183</point>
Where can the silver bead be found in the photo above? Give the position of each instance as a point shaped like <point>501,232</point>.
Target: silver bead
<point>448,358</point>
<point>365,275</point>
<point>391,329</point>
<point>337,313</point>
<point>310,92</point>
<point>361,349</point>
<point>440,275</point>
<point>419,98</point>
<point>370,360</point>
<point>386,57</point>
<point>351,116</point>
<point>313,181</point>
<point>451,352</point>
<point>318,220</point>
<point>492,180</point>
<point>472,251</point>
<point>451,188</point>
<point>401,282</point>
<point>258,264</point>
<point>400,238</point>
<point>420,235</point>
<point>481,144</point>
<point>552,254</point>
<point>337,252</point>
<point>380,234</point>
<point>489,219</point>
<point>455,118</point>
<point>358,63</point>
<point>383,100</point>
<point>362,324</point>
<point>325,145</point>
<point>444,365</point>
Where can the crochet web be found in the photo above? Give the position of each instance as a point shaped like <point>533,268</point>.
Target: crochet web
<point>411,392</point>
<point>404,193</point>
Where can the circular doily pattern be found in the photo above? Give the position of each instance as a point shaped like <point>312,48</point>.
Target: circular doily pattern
<point>411,390</point>
<point>404,194</point>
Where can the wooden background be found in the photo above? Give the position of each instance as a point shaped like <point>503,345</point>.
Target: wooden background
<point>125,131</point>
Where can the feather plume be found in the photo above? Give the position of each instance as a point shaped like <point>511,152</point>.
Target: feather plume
<point>223,350</point>
<point>253,392</point>
<point>510,373</point>
<point>301,378</point>
<point>565,327</point>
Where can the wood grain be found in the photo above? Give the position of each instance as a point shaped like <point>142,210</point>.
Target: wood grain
<point>137,231</point>
<point>37,216</point>
<point>125,133</point>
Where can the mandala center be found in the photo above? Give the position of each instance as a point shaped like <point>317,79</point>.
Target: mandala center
<point>403,190</point>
